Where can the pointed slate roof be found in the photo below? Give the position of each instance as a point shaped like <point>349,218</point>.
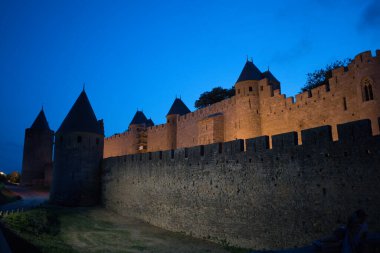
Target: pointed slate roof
<point>250,72</point>
<point>139,118</point>
<point>40,122</point>
<point>270,76</point>
<point>149,123</point>
<point>178,107</point>
<point>81,118</point>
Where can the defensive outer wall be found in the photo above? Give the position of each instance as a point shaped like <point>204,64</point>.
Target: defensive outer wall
<point>243,193</point>
<point>258,109</point>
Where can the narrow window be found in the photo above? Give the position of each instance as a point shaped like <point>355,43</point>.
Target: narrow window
<point>370,94</point>
<point>172,154</point>
<point>344,104</point>
<point>202,150</point>
<point>186,152</point>
<point>238,91</point>
<point>261,88</point>
<point>366,93</point>
<point>79,139</point>
<point>250,88</point>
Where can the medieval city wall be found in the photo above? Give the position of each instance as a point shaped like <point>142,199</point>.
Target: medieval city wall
<point>260,198</point>
<point>158,137</point>
<point>263,111</point>
<point>120,144</point>
<point>339,102</point>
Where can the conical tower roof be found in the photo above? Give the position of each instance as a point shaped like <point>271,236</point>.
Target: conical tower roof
<point>149,123</point>
<point>250,72</point>
<point>178,107</point>
<point>40,122</point>
<point>81,118</point>
<point>139,118</point>
<point>270,76</point>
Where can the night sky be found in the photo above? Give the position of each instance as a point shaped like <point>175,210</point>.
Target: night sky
<point>142,54</point>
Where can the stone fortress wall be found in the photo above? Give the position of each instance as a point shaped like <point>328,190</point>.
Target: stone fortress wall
<point>248,194</point>
<point>257,170</point>
<point>259,109</point>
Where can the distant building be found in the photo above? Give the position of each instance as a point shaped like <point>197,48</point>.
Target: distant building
<point>37,156</point>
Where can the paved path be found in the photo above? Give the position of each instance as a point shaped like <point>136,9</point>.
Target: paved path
<point>30,198</point>
<point>4,247</point>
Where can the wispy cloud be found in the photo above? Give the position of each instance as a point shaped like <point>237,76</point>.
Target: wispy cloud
<point>370,16</point>
<point>298,50</point>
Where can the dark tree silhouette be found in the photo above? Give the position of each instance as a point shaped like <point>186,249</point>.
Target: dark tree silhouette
<point>217,94</point>
<point>14,177</point>
<point>321,76</point>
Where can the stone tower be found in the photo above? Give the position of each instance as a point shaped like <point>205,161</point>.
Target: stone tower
<point>138,128</point>
<point>178,109</point>
<point>37,156</point>
<point>77,157</point>
<point>248,89</point>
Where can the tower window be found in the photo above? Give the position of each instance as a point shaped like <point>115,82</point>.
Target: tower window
<point>367,92</point>
<point>250,88</point>
<point>79,139</point>
<point>238,91</point>
<point>344,104</point>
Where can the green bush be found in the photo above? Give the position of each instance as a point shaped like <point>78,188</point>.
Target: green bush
<point>36,222</point>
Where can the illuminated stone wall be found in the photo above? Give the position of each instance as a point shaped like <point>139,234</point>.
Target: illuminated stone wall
<point>120,144</point>
<point>259,198</point>
<point>339,102</point>
<point>258,110</point>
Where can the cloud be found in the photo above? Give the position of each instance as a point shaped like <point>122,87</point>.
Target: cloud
<point>296,51</point>
<point>370,16</point>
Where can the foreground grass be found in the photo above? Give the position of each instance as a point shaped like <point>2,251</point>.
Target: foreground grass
<point>7,196</point>
<point>72,230</point>
<point>40,227</point>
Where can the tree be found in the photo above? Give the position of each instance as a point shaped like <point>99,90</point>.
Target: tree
<point>321,76</point>
<point>217,94</point>
<point>14,177</point>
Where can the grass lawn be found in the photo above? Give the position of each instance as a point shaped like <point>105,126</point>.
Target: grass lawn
<point>54,230</point>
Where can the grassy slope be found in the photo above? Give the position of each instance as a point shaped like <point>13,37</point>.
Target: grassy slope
<point>96,230</point>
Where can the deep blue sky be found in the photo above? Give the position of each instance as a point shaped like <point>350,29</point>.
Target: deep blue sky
<point>142,54</point>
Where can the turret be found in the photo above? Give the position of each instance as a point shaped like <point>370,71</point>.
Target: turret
<point>77,157</point>
<point>177,109</point>
<point>247,122</point>
<point>37,155</point>
<point>138,127</point>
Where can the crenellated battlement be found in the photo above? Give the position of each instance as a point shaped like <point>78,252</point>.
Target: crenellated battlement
<point>250,192</point>
<point>261,109</point>
<point>319,138</point>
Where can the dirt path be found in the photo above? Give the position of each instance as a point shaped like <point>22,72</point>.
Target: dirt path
<point>99,230</point>
<point>30,198</point>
